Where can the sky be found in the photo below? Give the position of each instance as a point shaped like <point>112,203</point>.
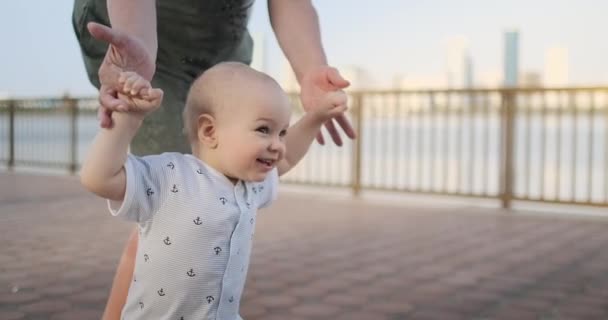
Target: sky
<point>39,55</point>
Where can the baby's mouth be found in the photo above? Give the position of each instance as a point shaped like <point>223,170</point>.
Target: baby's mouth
<point>266,162</point>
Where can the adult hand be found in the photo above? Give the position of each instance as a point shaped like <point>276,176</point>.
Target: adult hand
<point>315,85</point>
<point>125,53</point>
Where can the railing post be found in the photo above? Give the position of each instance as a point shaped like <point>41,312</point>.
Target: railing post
<point>72,106</point>
<point>357,108</point>
<point>11,134</point>
<point>507,155</point>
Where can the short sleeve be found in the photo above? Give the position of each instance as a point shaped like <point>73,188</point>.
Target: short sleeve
<point>144,194</point>
<point>268,188</point>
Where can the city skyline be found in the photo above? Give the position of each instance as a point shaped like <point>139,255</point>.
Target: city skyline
<point>385,44</point>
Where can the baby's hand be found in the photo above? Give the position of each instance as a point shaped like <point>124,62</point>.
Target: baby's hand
<point>331,105</point>
<point>138,91</point>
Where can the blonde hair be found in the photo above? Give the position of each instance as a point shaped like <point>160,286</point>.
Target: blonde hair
<point>209,91</point>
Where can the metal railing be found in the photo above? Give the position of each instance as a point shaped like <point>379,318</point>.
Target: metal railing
<point>533,144</point>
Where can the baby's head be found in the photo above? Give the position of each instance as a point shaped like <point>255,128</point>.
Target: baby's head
<point>236,120</point>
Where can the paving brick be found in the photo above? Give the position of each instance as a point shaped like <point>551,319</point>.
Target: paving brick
<point>254,310</point>
<point>308,291</point>
<point>389,307</point>
<point>18,297</point>
<point>436,315</point>
<point>11,315</point>
<point>322,310</point>
<point>59,290</point>
<point>45,307</point>
<point>78,314</point>
<point>89,297</point>
<point>516,314</point>
<point>345,299</point>
<point>363,315</point>
<point>279,301</point>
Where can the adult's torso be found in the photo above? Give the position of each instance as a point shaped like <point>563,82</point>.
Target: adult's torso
<point>191,32</point>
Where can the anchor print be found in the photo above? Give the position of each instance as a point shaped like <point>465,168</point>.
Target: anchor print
<point>199,171</point>
<point>141,305</point>
<point>146,257</point>
<point>149,192</point>
<point>198,221</point>
<point>171,165</point>
<point>217,250</point>
<point>174,190</point>
<point>251,221</point>
<point>254,189</point>
<point>191,273</point>
<point>231,299</point>
<point>260,188</point>
<point>248,205</point>
<point>167,241</point>
<point>209,299</point>
<point>161,292</point>
<point>223,200</point>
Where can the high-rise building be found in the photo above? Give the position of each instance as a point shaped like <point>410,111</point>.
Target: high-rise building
<point>511,58</point>
<point>459,65</point>
<point>556,67</point>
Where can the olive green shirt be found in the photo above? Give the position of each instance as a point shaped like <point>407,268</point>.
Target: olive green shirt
<point>192,37</point>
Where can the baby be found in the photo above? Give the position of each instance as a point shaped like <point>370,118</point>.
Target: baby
<point>196,213</point>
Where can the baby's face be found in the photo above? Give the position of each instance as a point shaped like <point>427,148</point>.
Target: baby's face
<point>251,134</point>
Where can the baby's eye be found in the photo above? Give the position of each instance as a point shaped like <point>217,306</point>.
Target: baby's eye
<point>283,133</point>
<point>263,129</point>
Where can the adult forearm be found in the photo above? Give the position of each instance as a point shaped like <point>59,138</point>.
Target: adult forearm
<point>136,18</point>
<point>102,171</point>
<point>296,26</point>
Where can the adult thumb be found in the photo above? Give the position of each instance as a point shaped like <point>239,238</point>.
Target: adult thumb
<point>106,34</point>
<point>336,79</point>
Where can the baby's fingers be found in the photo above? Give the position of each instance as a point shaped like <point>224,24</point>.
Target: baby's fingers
<point>336,98</point>
<point>337,110</point>
<point>128,80</point>
<point>152,98</point>
<point>140,87</point>
<point>154,94</point>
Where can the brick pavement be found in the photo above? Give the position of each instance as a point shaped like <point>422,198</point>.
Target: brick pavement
<point>324,259</point>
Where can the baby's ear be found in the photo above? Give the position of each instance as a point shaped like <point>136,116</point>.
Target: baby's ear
<point>206,131</point>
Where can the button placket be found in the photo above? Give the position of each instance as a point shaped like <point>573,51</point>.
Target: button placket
<point>230,290</point>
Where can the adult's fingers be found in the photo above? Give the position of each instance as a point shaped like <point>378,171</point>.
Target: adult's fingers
<point>320,138</point>
<point>108,99</point>
<point>104,116</point>
<point>335,135</point>
<point>346,126</point>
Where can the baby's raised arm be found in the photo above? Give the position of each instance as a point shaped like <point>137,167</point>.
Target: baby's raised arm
<point>102,171</point>
<point>302,133</point>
